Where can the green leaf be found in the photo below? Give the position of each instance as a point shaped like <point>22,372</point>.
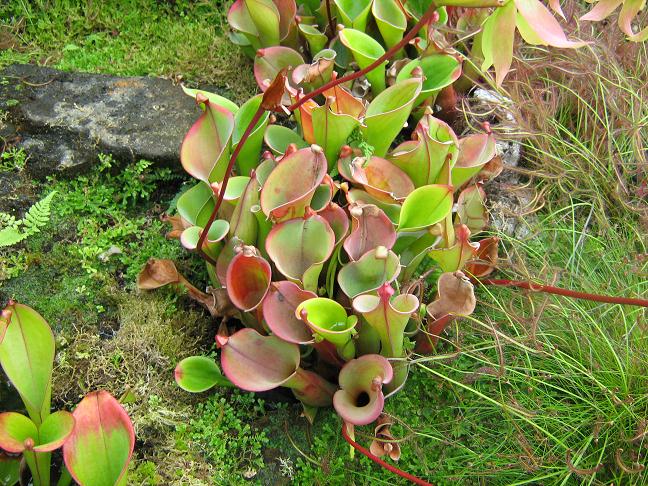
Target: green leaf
<point>196,204</point>
<point>279,312</point>
<point>27,357</point>
<point>54,431</point>
<point>271,60</point>
<point>378,176</point>
<point>328,319</point>
<point>266,18</point>
<point>425,206</point>
<point>362,376</point>
<point>412,249</point>
<point>239,19</point>
<point>332,130</point>
<point>197,374</point>
<point>365,51</point>
<point>15,429</point>
<point>367,274</point>
<point>9,470</point>
<point>316,40</point>
<point>212,245</point>
<point>258,363</point>
<point>100,448</point>
<point>439,71</point>
<point>278,137</point>
<point>390,19</point>
<point>416,8</point>
<point>354,13</point>
<point>497,39</point>
<point>387,114</point>
<point>249,156</point>
<point>423,158</point>
<point>243,223</point>
<point>205,149</point>
<point>290,186</point>
<point>299,247</point>
<point>388,316</point>
<point>475,151</point>
<point>213,98</point>
<point>455,258</point>
<point>359,196</point>
<point>259,20</point>
<point>371,228</point>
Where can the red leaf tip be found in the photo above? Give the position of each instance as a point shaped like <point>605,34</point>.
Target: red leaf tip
<point>385,291</point>
<point>29,443</point>
<point>376,383</point>
<point>345,151</point>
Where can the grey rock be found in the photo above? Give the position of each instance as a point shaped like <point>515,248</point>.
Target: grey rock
<point>507,210</point>
<point>509,200</point>
<point>64,120</point>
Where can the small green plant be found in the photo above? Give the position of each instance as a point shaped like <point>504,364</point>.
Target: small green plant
<point>97,439</point>
<point>109,231</point>
<point>12,159</point>
<point>223,430</point>
<point>14,231</point>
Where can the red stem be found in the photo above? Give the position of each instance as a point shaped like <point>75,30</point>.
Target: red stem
<point>385,57</point>
<point>379,461</point>
<point>228,173</point>
<point>566,292</point>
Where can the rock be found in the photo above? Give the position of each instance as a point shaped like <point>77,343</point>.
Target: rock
<point>64,120</point>
<point>16,194</point>
<point>509,199</point>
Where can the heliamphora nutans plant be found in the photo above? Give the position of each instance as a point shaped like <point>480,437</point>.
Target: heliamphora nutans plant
<point>321,225</point>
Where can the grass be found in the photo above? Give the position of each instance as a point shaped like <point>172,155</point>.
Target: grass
<point>128,38</point>
<point>532,389</point>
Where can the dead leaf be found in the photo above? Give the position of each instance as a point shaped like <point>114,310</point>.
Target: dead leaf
<point>158,273</point>
<point>486,258</point>
<point>315,70</point>
<point>384,443</point>
<point>491,169</point>
<point>274,94</point>
<point>177,226</point>
<point>455,295</point>
<point>220,304</point>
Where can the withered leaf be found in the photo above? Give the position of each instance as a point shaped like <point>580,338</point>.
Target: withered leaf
<point>455,295</point>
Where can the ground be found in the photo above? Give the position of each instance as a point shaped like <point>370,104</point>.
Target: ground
<point>530,390</point>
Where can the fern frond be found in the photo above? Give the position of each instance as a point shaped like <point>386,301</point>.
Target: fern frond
<point>16,231</point>
<point>11,236</point>
<point>7,220</point>
<point>38,215</point>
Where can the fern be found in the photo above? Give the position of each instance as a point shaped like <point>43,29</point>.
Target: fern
<point>15,231</point>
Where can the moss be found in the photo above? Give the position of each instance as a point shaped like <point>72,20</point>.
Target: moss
<point>136,365</point>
